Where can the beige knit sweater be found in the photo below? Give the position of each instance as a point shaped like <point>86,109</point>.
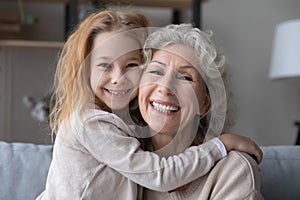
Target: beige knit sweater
<point>96,157</point>
<point>235,177</point>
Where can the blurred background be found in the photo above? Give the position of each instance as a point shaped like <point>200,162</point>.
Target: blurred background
<point>266,109</point>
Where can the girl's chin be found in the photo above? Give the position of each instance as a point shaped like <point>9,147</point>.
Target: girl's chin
<point>119,103</point>
<point>118,106</point>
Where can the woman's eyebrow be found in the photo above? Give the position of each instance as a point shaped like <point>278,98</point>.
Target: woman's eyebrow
<point>158,62</point>
<point>187,67</point>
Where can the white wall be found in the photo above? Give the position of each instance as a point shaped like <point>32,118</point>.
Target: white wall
<point>266,109</point>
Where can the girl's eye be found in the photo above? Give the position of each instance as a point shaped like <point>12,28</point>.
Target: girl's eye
<point>104,65</point>
<point>132,65</point>
<point>185,78</point>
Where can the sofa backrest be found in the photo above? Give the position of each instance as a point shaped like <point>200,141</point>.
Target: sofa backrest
<point>23,170</point>
<point>280,172</point>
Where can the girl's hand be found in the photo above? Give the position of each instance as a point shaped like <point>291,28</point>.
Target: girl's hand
<point>241,143</point>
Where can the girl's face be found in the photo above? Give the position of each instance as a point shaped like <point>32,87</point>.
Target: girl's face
<point>172,91</point>
<point>115,69</point>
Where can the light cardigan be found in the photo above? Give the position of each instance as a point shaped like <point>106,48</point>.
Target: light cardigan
<point>97,157</point>
<point>235,177</point>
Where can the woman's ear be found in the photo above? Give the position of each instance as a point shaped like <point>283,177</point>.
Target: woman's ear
<point>205,105</point>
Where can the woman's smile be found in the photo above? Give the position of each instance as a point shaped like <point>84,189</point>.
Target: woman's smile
<point>164,107</point>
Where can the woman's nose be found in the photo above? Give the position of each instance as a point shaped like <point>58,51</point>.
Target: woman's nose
<point>166,85</point>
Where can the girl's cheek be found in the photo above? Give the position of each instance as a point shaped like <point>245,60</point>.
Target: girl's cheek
<point>134,76</point>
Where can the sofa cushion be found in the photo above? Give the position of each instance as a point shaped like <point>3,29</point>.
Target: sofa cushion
<point>280,172</point>
<point>23,170</point>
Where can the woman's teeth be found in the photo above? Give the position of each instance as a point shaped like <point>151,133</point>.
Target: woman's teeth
<point>164,108</point>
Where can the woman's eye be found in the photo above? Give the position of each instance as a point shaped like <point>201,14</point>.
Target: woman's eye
<point>185,78</point>
<point>132,65</point>
<point>104,65</point>
<point>156,72</point>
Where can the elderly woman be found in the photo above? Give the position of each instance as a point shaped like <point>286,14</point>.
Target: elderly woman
<point>182,98</point>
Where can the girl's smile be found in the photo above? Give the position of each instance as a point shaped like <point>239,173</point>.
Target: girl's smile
<point>117,93</point>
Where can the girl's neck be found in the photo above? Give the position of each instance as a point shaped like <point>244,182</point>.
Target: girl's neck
<point>124,115</point>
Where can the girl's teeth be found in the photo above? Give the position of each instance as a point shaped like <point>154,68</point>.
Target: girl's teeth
<point>118,92</point>
<point>164,108</point>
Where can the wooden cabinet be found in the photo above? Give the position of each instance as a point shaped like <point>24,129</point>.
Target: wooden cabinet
<point>176,5</point>
<point>26,69</point>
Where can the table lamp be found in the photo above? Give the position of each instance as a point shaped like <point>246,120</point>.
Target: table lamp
<point>285,61</point>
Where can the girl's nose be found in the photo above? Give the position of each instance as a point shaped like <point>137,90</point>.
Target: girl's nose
<point>118,75</point>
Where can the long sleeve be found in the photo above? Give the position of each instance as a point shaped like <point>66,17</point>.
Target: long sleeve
<point>108,140</point>
<point>234,177</point>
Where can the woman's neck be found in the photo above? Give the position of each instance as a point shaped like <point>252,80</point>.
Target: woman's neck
<point>160,140</point>
<point>171,144</point>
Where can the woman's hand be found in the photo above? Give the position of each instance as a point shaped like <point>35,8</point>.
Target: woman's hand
<point>241,143</point>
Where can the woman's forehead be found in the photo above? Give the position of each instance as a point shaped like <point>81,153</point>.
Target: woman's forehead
<point>183,52</point>
<point>186,60</point>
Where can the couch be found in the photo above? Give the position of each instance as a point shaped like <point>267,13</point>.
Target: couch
<point>24,167</point>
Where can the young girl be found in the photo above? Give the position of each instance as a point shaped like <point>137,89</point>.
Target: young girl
<point>96,154</point>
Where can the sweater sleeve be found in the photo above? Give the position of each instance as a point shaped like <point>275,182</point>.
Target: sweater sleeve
<point>109,142</point>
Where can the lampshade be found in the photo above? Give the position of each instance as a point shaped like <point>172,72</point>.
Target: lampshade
<point>285,61</point>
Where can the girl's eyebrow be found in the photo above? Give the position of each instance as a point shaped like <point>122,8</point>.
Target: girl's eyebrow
<point>134,58</point>
<point>103,58</point>
<point>110,58</point>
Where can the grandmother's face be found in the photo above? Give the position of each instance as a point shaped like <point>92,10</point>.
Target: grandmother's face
<point>172,90</point>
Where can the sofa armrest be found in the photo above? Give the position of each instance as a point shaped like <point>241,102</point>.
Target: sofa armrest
<point>23,169</point>
<point>280,172</point>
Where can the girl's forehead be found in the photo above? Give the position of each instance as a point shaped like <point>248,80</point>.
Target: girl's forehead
<point>114,44</point>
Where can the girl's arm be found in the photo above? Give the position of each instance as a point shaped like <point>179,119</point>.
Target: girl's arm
<point>109,140</point>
